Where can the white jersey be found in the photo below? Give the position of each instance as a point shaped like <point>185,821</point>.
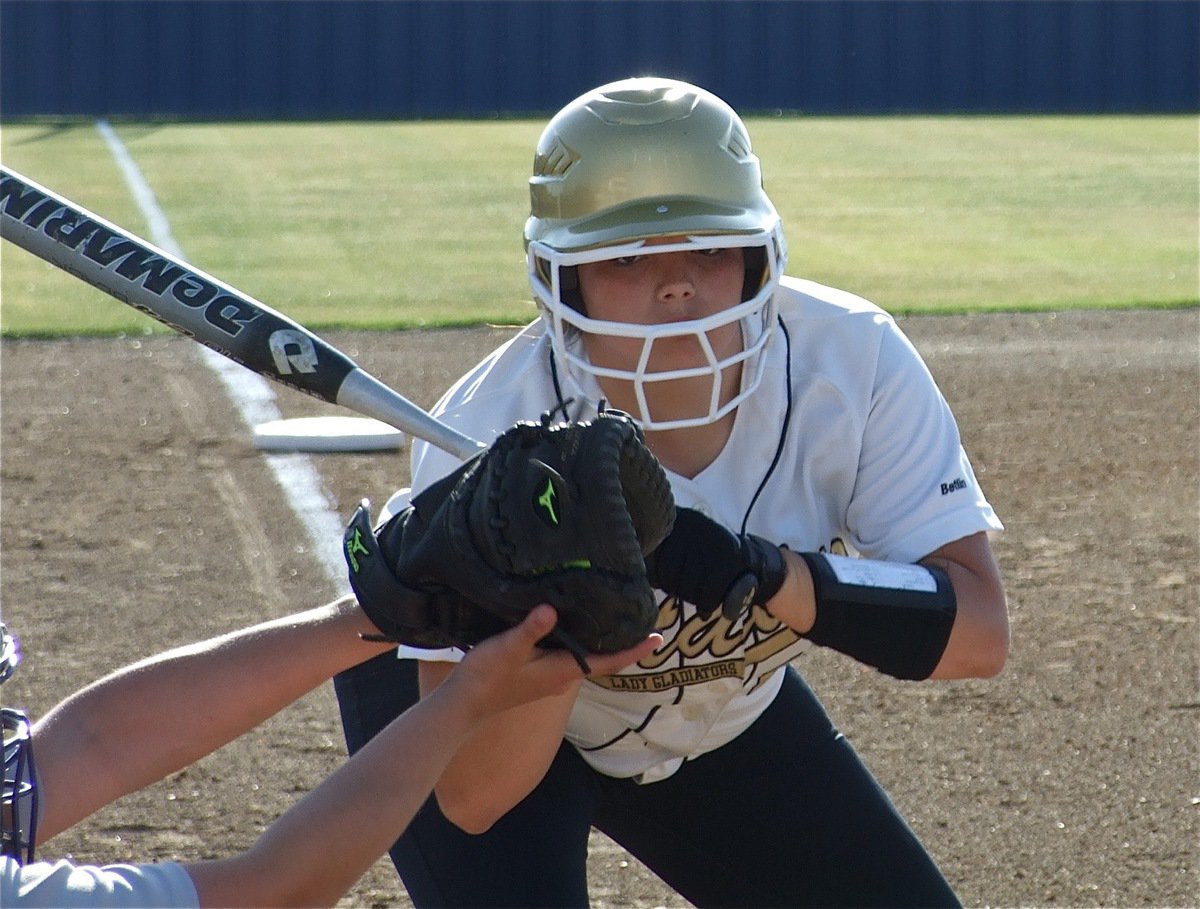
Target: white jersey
<point>61,885</point>
<point>864,458</point>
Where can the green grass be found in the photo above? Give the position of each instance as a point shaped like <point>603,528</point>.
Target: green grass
<point>382,225</point>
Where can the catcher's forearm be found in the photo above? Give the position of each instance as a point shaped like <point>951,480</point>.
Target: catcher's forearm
<point>156,716</point>
<point>317,850</point>
<point>312,854</point>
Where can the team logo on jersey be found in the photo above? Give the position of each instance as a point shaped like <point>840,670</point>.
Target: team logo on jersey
<point>701,650</point>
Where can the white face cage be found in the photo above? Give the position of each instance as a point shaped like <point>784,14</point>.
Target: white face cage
<point>756,316</point>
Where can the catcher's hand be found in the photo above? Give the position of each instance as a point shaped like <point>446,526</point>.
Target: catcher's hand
<point>551,513</point>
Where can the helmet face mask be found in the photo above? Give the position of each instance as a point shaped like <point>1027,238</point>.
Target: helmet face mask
<point>553,278</point>
<point>643,160</point>
<point>19,796</point>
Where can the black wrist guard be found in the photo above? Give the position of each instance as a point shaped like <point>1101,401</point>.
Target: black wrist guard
<point>889,615</point>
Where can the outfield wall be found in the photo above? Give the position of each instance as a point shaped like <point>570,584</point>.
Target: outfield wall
<point>319,59</point>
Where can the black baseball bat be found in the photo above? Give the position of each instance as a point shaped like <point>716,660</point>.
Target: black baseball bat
<point>204,308</point>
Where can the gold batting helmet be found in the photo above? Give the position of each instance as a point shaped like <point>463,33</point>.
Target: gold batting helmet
<point>643,159</point>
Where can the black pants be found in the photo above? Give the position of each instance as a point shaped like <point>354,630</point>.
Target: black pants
<point>784,815</point>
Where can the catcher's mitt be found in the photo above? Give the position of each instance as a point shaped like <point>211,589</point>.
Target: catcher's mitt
<point>551,513</point>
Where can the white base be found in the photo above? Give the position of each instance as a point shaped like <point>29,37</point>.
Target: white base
<point>330,433</point>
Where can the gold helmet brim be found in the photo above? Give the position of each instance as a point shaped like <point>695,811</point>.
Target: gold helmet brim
<point>646,219</point>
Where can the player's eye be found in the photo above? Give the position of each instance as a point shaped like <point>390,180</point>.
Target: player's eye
<point>627,260</point>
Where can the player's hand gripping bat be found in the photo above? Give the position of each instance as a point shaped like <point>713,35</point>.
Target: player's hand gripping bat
<point>204,308</point>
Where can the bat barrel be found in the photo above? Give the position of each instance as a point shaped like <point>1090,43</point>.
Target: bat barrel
<point>200,306</point>
<point>165,287</point>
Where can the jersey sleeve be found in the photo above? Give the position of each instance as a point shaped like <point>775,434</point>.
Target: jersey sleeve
<point>915,489</point>
<point>62,884</point>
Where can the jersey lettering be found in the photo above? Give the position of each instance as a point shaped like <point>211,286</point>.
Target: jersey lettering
<point>698,640</point>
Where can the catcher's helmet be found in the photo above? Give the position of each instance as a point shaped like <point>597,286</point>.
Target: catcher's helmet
<point>18,798</point>
<point>644,159</point>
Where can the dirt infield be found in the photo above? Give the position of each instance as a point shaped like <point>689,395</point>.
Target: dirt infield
<point>135,515</point>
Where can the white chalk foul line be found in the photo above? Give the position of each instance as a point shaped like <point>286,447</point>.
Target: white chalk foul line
<point>251,394</point>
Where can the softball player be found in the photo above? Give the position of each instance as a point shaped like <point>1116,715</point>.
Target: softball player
<point>824,497</point>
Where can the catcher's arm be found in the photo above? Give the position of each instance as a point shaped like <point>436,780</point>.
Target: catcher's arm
<point>320,846</point>
<point>156,716</point>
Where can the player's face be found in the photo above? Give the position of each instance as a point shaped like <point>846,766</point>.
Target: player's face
<point>657,289</point>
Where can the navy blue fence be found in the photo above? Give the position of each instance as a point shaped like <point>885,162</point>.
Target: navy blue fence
<point>302,59</point>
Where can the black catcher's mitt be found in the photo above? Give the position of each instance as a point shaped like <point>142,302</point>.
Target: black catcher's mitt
<point>551,513</point>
